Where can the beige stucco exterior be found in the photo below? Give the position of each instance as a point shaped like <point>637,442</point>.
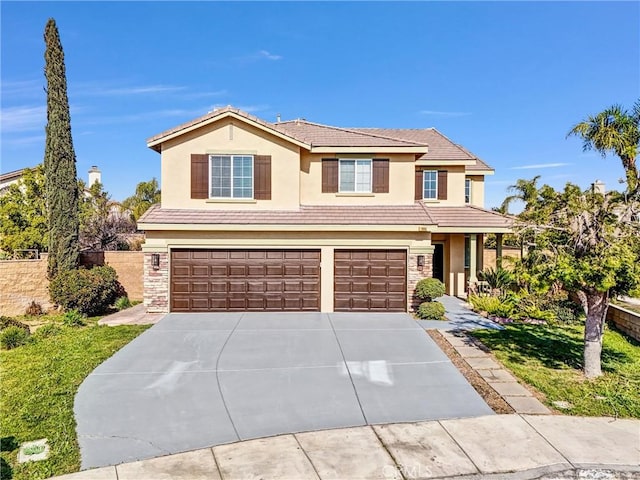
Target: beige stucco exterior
<point>477,190</point>
<point>230,136</point>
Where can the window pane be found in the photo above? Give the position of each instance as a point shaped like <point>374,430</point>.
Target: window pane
<point>430,185</point>
<point>242,177</point>
<point>220,176</point>
<point>347,175</point>
<point>363,176</point>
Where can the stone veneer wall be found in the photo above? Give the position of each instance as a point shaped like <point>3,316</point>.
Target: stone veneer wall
<point>414,275</point>
<point>624,320</point>
<point>156,282</point>
<point>24,281</point>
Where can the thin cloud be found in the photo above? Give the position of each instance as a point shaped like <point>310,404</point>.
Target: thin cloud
<point>29,140</point>
<point>143,116</point>
<point>23,88</point>
<point>139,90</point>
<point>541,165</point>
<point>23,119</point>
<point>269,56</point>
<point>444,114</point>
<point>215,93</point>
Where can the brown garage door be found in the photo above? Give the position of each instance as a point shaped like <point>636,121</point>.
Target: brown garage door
<point>367,280</point>
<point>242,280</point>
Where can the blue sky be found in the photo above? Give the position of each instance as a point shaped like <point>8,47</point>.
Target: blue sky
<point>506,80</point>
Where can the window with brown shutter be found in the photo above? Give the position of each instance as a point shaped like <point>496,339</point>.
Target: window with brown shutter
<point>199,175</point>
<point>380,182</point>
<point>442,184</point>
<point>329,175</point>
<point>262,177</point>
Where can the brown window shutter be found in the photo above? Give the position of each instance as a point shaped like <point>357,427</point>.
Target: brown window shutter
<point>442,184</point>
<point>380,175</point>
<point>262,177</point>
<point>199,175</point>
<point>329,175</point>
<point>419,185</point>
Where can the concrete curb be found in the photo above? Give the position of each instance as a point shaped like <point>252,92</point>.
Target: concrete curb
<point>494,447</point>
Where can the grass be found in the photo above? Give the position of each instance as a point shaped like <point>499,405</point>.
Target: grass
<point>39,381</point>
<point>549,358</point>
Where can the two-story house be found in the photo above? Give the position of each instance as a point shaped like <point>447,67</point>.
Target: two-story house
<point>298,216</point>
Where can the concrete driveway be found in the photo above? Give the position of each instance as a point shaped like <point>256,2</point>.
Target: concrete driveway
<point>199,380</point>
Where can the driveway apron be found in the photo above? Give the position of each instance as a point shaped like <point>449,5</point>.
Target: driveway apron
<point>199,380</point>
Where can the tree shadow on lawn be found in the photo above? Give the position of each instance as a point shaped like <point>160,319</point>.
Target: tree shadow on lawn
<point>553,347</point>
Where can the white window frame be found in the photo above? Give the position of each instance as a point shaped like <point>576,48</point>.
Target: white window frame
<point>424,181</point>
<point>231,156</point>
<point>355,175</point>
<point>467,190</point>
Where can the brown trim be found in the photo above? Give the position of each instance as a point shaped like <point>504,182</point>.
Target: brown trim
<point>329,175</point>
<point>442,184</point>
<point>262,177</point>
<point>199,175</point>
<point>380,181</point>
<point>419,184</point>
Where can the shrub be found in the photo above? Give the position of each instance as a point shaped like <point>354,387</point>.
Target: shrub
<point>12,337</point>
<point>122,303</point>
<point>34,309</point>
<point>6,322</point>
<point>73,318</point>
<point>431,311</point>
<point>484,303</point>
<point>429,289</point>
<point>498,278</point>
<point>90,291</point>
<point>48,330</point>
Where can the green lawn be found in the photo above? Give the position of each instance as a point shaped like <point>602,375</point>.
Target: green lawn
<point>39,381</point>
<point>550,358</point>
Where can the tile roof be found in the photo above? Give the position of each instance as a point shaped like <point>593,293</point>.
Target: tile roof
<point>440,147</point>
<point>318,135</point>
<point>327,136</point>
<point>305,215</point>
<point>415,214</point>
<point>467,216</point>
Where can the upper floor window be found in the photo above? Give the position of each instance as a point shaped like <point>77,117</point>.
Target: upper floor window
<point>231,176</point>
<point>430,184</point>
<point>355,176</point>
<point>467,190</point>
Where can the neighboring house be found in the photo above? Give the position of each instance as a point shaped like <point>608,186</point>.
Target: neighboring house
<point>305,217</point>
<point>9,178</point>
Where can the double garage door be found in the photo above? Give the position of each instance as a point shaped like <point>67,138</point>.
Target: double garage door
<point>209,280</point>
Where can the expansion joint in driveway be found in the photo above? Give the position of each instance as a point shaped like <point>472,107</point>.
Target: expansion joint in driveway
<point>346,366</point>
<point>224,401</point>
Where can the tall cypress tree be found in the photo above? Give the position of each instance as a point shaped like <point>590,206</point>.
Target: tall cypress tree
<point>61,185</point>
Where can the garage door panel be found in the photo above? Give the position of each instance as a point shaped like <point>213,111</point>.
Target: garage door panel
<point>242,280</point>
<point>237,271</point>
<point>200,271</point>
<point>367,280</point>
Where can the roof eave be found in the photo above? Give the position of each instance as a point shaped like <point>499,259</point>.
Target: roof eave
<point>234,227</point>
<point>155,143</point>
<point>376,149</point>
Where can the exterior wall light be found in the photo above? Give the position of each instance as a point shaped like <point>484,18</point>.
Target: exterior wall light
<point>420,260</point>
<point>155,261</point>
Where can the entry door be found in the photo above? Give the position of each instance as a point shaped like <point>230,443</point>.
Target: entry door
<point>438,261</point>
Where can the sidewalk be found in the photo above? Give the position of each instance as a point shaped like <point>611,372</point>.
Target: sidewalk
<point>496,447</point>
<point>136,315</point>
<point>459,317</point>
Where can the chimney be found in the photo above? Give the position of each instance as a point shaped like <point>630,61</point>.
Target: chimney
<point>94,176</point>
<point>278,118</point>
<point>598,187</point>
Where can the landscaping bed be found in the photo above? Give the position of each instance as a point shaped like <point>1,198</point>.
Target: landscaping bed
<point>39,381</point>
<point>549,358</point>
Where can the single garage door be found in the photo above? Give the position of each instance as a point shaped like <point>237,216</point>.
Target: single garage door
<point>245,280</point>
<point>370,280</point>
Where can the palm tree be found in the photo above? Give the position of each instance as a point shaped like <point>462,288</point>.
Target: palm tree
<point>614,130</point>
<point>524,190</point>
